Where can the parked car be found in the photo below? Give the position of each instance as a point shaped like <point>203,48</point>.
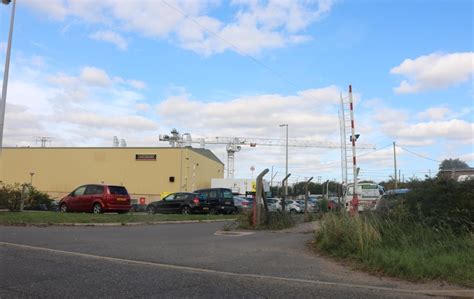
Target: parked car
<point>96,199</point>
<point>390,199</point>
<point>274,204</point>
<point>40,207</point>
<point>243,204</point>
<point>135,207</point>
<point>54,206</point>
<point>293,207</point>
<point>180,202</point>
<point>333,205</point>
<point>219,200</point>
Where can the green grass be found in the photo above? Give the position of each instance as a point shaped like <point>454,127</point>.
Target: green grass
<point>407,250</point>
<point>277,221</point>
<point>29,217</point>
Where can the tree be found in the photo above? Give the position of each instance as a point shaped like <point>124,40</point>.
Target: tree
<point>453,164</point>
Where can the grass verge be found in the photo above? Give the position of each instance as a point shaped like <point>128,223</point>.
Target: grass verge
<point>277,221</point>
<point>51,218</point>
<point>411,251</point>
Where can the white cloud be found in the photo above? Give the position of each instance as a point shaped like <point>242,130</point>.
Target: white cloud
<point>435,113</point>
<point>254,26</point>
<point>434,71</point>
<point>95,76</point>
<point>136,84</point>
<point>112,37</point>
<point>307,113</point>
<point>74,109</point>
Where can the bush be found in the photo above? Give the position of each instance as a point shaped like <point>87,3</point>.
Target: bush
<point>324,205</point>
<point>10,197</point>
<point>276,221</point>
<point>399,246</point>
<point>442,204</point>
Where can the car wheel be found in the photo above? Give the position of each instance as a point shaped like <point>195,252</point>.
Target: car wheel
<point>185,210</point>
<point>293,211</point>
<point>97,209</point>
<point>63,208</point>
<point>213,211</point>
<point>150,210</point>
<point>122,212</point>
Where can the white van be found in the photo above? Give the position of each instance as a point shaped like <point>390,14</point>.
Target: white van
<point>367,193</point>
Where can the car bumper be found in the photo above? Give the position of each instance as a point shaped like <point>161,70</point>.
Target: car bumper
<point>116,208</point>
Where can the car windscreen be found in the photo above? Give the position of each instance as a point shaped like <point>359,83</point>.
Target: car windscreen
<point>118,190</point>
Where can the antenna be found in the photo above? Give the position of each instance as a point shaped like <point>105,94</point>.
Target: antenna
<point>44,140</point>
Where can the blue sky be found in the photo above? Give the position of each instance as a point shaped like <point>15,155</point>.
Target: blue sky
<point>84,71</point>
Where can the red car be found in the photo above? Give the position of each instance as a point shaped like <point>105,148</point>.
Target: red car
<point>96,199</point>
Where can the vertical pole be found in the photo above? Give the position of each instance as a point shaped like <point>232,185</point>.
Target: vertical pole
<point>395,164</point>
<point>306,215</point>
<point>258,198</point>
<point>283,183</point>
<point>5,76</point>
<point>271,180</point>
<point>355,200</point>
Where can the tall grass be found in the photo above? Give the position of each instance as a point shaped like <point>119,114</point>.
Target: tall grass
<point>402,248</point>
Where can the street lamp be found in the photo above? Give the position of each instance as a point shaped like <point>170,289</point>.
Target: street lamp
<point>5,74</point>
<point>286,168</point>
<point>31,178</point>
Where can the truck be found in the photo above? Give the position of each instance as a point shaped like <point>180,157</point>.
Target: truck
<point>241,187</point>
<point>368,195</point>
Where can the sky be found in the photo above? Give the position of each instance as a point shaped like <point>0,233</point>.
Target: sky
<point>84,71</point>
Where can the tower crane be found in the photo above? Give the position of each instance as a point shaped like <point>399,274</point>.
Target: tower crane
<point>234,144</point>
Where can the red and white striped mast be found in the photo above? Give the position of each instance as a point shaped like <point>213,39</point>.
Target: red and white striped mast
<point>355,199</point>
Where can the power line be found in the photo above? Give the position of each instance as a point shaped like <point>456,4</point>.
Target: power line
<point>240,51</point>
<point>419,155</point>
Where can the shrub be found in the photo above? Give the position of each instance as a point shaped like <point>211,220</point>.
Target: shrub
<point>10,197</point>
<point>400,247</point>
<point>442,203</point>
<point>324,205</point>
<point>276,220</point>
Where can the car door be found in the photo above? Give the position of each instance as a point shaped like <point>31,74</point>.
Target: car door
<point>164,206</point>
<point>92,194</point>
<point>178,201</point>
<point>74,202</point>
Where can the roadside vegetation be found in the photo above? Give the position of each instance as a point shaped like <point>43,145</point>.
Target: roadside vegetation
<point>427,235</point>
<point>275,221</point>
<point>11,195</point>
<point>51,218</point>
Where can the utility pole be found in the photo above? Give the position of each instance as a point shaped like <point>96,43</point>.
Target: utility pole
<point>3,100</point>
<point>395,165</point>
<point>286,166</point>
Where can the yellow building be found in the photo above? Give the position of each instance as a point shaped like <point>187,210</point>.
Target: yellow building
<point>147,173</point>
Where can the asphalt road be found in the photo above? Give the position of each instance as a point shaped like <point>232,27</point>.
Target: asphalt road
<point>175,260</point>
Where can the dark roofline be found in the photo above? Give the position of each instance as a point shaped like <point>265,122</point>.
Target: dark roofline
<point>458,169</point>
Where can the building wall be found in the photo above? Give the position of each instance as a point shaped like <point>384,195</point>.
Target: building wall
<point>58,171</point>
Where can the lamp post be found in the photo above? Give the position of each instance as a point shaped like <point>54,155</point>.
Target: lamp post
<point>5,74</point>
<point>31,178</point>
<point>286,167</point>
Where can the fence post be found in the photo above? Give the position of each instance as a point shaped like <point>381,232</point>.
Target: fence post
<point>306,215</point>
<point>283,201</point>
<point>258,197</point>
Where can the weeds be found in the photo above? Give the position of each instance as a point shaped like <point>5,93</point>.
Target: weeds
<point>276,221</point>
<point>399,247</point>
